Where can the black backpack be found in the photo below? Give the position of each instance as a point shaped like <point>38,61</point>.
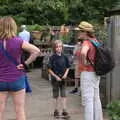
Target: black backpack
<point>104,61</point>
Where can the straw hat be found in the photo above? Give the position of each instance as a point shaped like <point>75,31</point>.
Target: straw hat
<point>85,26</point>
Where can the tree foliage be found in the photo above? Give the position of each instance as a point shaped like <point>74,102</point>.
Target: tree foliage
<point>55,12</point>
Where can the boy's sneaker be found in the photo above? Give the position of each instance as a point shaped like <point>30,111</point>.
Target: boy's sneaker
<point>65,115</point>
<point>75,90</point>
<point>56,113</point>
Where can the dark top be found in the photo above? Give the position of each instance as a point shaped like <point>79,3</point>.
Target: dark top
<point>58,64</point>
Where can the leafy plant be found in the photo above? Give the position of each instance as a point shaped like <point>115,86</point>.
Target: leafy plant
<point>101,32</point>
<point>55,12</point>
<point>114,110</point>
<point>35,27</point>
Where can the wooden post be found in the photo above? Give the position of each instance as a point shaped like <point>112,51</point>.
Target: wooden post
<point>113,79</point>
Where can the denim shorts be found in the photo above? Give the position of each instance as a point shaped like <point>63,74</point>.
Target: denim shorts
<point>14,85</point>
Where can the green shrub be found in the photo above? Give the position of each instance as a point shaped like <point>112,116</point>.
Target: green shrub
<point>35,27</point>
<point>114,110</point>
<point>101,31</point>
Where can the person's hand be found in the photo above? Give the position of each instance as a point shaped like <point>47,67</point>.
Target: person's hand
<point>20,67</point>
<point>64,76</point>
<point>58,78</point>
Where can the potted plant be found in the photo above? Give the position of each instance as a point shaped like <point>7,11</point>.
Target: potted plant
<point>113,109</point>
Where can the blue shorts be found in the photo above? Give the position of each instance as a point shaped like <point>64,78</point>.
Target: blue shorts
<point>14,85</point>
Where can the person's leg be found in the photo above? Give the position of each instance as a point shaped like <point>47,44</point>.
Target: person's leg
<point>97,106</point>
<point>63,96</point>
<point>77,79</point>
<point>76,86</point>
<point>87,92</point>
<point>88,107</point>
<point>64,106</point>
<point>64,103</point>
<point>3,97</point>
<point>56,107</point>
<point>56,99</point>
<point>56,103</point>
<point>63,100</point>
<point>77,75</point>
<point>77,82</point>
<point>19,102</point>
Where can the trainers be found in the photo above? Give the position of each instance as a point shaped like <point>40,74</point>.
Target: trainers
<point>65,113</point>
<point>74,90</point>
<point>56,113</point>
<point>78,93</point>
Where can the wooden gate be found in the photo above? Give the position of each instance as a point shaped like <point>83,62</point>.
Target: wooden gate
<point>113,79</point>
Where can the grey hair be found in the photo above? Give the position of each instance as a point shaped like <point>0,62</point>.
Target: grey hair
<point>23,27</point>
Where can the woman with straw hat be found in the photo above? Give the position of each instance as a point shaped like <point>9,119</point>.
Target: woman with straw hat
<point>89,80</point>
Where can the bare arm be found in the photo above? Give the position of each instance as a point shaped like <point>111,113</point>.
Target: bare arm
<point>54,75</point>
<point>33,50</point>
<point>65,74</point>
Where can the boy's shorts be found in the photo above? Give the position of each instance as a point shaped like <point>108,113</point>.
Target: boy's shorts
<point>13,86</point>
<point>58,88</point>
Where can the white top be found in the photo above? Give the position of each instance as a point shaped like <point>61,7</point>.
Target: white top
<point>25,35</point>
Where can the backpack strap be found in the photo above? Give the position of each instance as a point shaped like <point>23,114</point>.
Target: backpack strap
<point>7,55</point>
<point>10,58</point>
<point>96,43</point>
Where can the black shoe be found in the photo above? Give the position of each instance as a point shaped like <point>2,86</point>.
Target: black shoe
<point>56,113</point>
<point>75,90</point>
<point>64,113</point>
<point>78,93</point>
